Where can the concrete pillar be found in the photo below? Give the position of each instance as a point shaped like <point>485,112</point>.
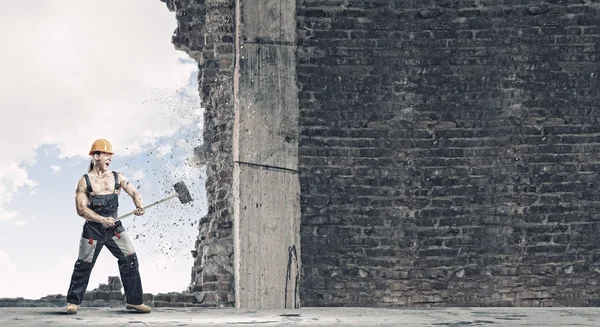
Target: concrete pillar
<point>266,186</point>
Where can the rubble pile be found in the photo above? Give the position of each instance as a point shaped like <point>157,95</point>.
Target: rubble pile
<point>111,295</point>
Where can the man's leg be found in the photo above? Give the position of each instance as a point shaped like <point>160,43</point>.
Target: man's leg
<point>89,250</point>
<point>121,247</point>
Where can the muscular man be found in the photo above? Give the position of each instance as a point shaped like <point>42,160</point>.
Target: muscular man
<point>97,201</point>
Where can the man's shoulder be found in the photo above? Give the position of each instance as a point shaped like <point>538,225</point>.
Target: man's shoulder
<point>82,184</point>
<point>121,177</point>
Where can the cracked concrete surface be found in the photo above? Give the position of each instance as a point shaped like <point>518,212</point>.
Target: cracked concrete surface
<point>443,317</point>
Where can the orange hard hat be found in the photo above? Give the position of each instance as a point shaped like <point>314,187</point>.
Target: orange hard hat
<point>101,145</point>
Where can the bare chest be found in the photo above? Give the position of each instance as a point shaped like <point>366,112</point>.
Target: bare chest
<point>103,184</point>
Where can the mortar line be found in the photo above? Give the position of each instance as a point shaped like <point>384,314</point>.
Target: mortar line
<point>272,42</point>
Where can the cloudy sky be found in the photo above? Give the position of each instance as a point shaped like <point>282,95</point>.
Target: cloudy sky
<point>74,71</point>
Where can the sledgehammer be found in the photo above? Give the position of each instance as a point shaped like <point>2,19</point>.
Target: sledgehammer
<point>181,191</point>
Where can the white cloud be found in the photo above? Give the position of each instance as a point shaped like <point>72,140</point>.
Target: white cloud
<point>164,149</point>
<point>6,215</point>
<point>138,175</point>
<point>55,169</point>
<point>80,70</point>
<point>7,267</point>
<point>14,217</point>
<point>12,178</point>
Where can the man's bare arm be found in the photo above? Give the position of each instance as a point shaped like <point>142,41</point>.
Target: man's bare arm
<point>81,201</point>
<point>130,189</point>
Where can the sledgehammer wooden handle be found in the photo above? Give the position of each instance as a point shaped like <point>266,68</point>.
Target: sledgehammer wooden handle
<point>148,206</point>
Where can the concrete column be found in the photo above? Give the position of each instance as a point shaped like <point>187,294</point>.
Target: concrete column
<point>266,186</point>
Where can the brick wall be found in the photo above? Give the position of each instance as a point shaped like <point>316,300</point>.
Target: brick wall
<point>206,33</point>
<point>450,152</point>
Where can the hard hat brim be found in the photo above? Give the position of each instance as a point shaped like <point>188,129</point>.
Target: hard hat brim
<point>92,152</point>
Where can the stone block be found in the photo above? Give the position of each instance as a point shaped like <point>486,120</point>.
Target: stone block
<point>210,278</point>
<point>162,297</point>
<point>104,288</point>
<point>114,283</point>
<point>53,297</point>
<point>210,297</point>
<point>147,297</point>
<point>115,295</point>
<point>209,287</point>
<point>200,297</point>
<point>176,297</point>
<point>101,295</point>
<point>190,298</point>
<point>160,304</point>
<point>224,286</point>
<point>89,296</point>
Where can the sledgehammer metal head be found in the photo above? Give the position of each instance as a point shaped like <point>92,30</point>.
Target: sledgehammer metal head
<point>182,192</point>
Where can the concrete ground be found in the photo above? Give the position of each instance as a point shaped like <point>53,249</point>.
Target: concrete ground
<point>455,317</point>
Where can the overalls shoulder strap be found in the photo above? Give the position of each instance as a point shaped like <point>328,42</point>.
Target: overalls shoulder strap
<point>87,182</point>
<point>116,181</point>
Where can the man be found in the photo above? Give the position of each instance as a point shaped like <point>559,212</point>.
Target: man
<point>97,201</point>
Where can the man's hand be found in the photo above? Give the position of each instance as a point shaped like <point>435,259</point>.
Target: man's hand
<point>138,211</point>
<point>108,222</point>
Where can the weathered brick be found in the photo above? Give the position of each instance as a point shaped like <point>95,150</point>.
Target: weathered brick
<point>479,124</point>
<point>206,33</point>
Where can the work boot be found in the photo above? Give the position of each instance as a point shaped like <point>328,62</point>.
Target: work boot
<point>138,307</point>
<point>71,308</point>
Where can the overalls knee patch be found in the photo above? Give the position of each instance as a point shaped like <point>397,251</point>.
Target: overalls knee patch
<point>124,243</point>
<point>87,248</point>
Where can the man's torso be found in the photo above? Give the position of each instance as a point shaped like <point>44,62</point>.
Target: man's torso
<point>103,193</point>
<point>103,184</point>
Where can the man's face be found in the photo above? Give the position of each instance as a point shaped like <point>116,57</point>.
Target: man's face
<point>103,160</point>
